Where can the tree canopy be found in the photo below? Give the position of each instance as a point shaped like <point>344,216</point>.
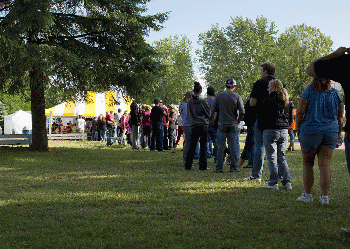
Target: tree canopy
<point>177,74</point>
<point>74,46</point>
<point>238,50</point>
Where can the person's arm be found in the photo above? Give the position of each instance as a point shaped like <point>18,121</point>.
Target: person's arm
<point>310,70</point>
<point>300,112</point>
<point>341,116</point>
<point>241,110</point>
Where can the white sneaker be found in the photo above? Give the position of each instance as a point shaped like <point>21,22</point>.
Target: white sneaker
<point>251,178</point>
<point>324,200</point>
<point>305,198</point>
<point>288,186</point>
<point>271,186</point>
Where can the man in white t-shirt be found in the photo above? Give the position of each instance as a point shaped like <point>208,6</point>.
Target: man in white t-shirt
<point>80,124</point>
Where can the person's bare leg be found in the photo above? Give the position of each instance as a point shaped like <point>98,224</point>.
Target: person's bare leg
<point>308,171</point>
<point>324,163</point>
<point>240,164</point>
<point>292,144</point>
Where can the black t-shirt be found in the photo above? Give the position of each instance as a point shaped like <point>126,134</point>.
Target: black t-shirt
<point>157,114</point>
<point>259,91</point>
<point>337,69</point>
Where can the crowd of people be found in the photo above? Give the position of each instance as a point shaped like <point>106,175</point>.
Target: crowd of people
<point>211,126</point>
<point>268,114</point>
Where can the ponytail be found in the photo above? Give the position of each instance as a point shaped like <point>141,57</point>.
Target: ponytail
<point>197,87</point>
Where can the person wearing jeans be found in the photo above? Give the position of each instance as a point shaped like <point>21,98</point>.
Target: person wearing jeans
<point>156,117</point>
<point>258,95</point>
<point>275,116</point>
<point>212,139</point>
<point>198,114</point>
<point>185,126</point>
<point>275,141</point>
<point>231,134</point>
<point>229,107</point>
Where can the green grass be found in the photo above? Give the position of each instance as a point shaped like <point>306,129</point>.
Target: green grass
<point>85,195</point>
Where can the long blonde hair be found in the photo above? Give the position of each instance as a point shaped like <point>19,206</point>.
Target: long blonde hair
<point>278,86</point>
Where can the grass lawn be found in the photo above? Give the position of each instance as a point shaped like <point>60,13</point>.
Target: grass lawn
<point>87,195</point>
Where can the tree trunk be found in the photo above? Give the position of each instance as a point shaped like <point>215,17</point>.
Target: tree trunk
<point>39,133</point>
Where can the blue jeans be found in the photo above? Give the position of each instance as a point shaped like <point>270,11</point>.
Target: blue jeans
<point>248,151</point>
<point>94,135</point>
<point>135,136</point>
<point>165,137</point>
<point>146,135</point>
<point>157,137</point>
<point>110,133</point>
<point>212,141</point>
<point>198,132</point>
<point>347,149</point>
<point>231,133</point>
<point>275,142</point>
<point>187,135</point>
<point>259,153</point>
<point>103,135</point>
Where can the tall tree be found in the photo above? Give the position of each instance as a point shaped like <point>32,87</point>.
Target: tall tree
<point>76,45</point>
<point>297,47</point>
<point>177,74</point>
<point>237,51</point>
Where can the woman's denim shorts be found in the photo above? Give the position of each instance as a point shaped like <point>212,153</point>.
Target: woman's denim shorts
<point>310,142</point>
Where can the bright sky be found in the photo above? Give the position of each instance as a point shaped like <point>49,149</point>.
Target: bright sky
<point>191,18</point>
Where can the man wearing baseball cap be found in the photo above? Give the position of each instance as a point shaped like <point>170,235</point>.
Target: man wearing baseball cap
<point>229,107</point>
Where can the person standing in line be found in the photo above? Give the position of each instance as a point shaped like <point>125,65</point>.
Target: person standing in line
<point>248,151</point>
<point>275,116</point>
<point>335,66</point>
<point>103,129</point>
<point>156,116</point>
<point>319,120</point>
<point>110,125</point>
<point>179,131</point>
<point>135,121</point>
<point>80,124</point>
<point>198,114</point>
<point>117,118</point>
<point>213,126</point>
<point>185,125</point>
<point>165,126</point>
<point>258,95</point>
<point>146,127</point>
<point>229,106</point>
<point>94,129</point>
<point>292,131</point>
<point>172,126</point>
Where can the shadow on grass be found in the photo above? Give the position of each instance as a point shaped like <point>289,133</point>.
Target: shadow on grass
<point>87,195</point>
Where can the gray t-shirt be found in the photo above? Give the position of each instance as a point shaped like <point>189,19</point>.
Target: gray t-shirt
<point>230,108</point>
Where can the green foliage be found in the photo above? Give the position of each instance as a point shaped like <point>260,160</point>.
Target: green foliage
<point>80,45</point>
<point>297,47</point>
<point>177,74</point>
<point>87,195</point>
<point>237,51</point>
<point>11,103</point>
<point>74,46</point>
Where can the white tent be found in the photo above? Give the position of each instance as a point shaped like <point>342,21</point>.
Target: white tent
<point>17,121</point>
